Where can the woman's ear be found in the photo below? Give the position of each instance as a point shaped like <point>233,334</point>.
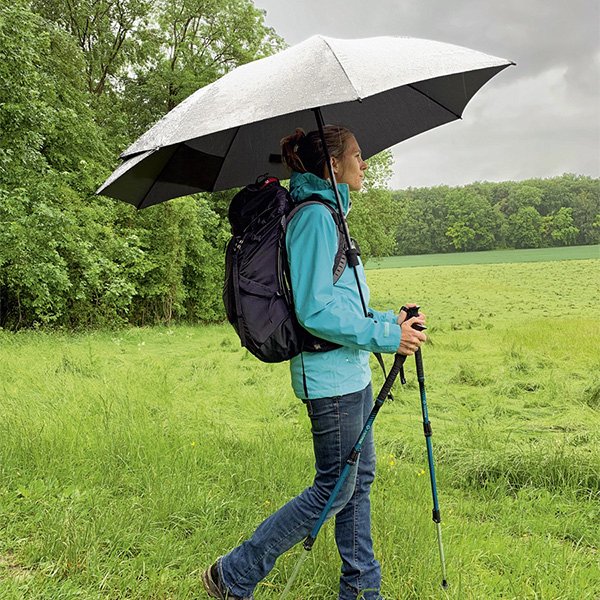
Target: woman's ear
<point>334,165</point>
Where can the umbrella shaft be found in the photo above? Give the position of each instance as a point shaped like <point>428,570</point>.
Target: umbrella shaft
<point>352,253</point>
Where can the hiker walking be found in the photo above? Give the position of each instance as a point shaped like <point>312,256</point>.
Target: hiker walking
<point>334,383</point>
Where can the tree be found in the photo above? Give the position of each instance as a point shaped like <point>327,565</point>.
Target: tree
<point>558,228</point>
<point>443,219</point>
<point>68,259</point>
<point>24,114</point>
<point>45,118</point>
<point>586,210</point>
<point>499,191</point>
<point>472,221</point>
<point>192,43</point>
<point>525,228</point>
<point>413,229</point>
<point>51,154</point>
<point>520,196</point>
<point>33,275</point>
<point>422,221</point>
<point>108,32</point>
<point>142,57</point>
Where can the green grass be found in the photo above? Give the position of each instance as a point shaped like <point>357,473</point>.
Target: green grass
<point>129,460</point>
<point>487,257</point>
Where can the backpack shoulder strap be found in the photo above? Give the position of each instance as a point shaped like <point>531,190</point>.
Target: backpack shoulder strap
<point>300,205</point>
<point>341,260</point>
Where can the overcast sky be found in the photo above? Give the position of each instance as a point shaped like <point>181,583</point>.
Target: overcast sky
<point>538,119</point>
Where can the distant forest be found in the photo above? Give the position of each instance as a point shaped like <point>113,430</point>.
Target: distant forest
<point>80,80</point>
<point>562,211</point>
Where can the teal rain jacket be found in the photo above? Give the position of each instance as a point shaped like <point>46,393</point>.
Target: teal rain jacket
<point>332,312</point>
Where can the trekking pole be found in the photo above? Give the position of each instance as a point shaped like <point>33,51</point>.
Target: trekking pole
<point>437,519</point>
<point>354,455</point>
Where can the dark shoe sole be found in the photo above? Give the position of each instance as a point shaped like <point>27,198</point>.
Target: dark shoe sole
<point>210,585</point>
<point>213,585</point>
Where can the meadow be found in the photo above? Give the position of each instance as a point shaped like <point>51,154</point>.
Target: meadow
<point>130,459</point>
<point>487,257</point>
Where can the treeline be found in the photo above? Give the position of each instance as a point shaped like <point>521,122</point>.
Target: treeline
<point>81,79</point>
<point>561,211</point>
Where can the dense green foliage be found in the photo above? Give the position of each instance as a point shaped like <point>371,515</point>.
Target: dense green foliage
<point>78,82</point>
<point>81,79</point>
<point>130,459</point>
<point>561,211</point>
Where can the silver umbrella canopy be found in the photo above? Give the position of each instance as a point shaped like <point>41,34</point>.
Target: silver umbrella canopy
<point>384,89</point>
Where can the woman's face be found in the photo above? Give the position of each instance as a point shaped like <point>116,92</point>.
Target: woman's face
<point>350,167</point>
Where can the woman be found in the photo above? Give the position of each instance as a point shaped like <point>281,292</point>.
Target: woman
<point>335,385</point>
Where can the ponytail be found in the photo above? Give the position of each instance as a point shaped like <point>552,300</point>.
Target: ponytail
<point>290,147</point>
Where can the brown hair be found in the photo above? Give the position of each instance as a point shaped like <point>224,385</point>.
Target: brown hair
<point>303,152</point>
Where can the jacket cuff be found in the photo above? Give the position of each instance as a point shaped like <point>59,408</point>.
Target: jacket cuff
<point>389,316</point>
<point>392,336</point>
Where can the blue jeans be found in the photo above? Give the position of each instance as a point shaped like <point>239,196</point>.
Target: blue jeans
<point>336,425</point>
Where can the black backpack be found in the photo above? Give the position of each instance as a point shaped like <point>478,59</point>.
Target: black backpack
<point>257,293</point>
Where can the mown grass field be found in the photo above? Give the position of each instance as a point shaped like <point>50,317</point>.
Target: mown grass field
<point>487,257</point>
<point>130,459</point>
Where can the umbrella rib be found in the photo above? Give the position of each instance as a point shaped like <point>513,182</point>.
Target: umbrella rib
<point>156,179</point>
<point>358,97</point>
<point>237,130</point>
<point>412,87</point>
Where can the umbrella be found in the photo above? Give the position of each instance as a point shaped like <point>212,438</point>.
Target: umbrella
<point>384,89</point>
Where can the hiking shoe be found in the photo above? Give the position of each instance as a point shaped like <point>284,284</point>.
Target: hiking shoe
<point>214,587</point>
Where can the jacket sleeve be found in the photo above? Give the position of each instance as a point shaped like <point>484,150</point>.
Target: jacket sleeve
<point>388,316</point>
<point>325,310</point>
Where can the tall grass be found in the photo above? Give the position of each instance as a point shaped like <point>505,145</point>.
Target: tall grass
<point>130,459</point>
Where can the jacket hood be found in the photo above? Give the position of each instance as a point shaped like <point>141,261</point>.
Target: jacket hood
<point>305,185</point>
